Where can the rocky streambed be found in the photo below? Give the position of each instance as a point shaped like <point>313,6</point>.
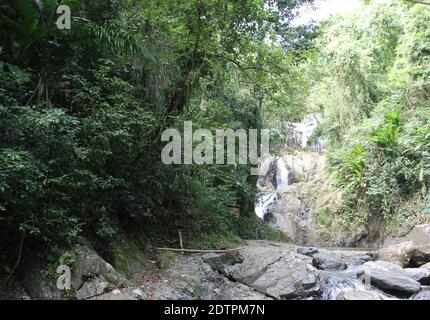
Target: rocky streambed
<point>259,270</point>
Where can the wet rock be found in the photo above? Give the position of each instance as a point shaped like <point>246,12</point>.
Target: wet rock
<point>422,275</point>
<point>328,262</point>
<point>307,251</point>
<point>388,277</point>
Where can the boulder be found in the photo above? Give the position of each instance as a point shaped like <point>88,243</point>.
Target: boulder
<point>307,251</point>
<point>278,272</point>
<point>420,237</point>
<point>89,266</point>
<point>400,253</point>
<point>328,262</point>
<point>287,280</point>
<point>420,256</point>
<point>91,289</point>
<point>422,275</point>
<point>39,285</point>
<point>388,277</point>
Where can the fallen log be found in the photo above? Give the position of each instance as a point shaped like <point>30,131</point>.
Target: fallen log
<point>198,251</point>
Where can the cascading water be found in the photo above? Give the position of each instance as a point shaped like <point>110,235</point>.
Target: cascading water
<point>283,175</point>
<point>298,134</point>
<point>267,200</point>
<point>264,203</point>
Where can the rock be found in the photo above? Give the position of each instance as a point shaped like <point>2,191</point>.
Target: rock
<point>422,275</point>
<point>426,266</point>
<point>307,251</point>
<point>400,253</point>
<point>388,277</point>
<point>137,294</point>
<point>115,295</point>
<point>362,259</point>
<point>92,289</point>
<point>425,295</point>
<point>358,295</point>
<point>39,286</point>
<point>128,259</point>
<point>420,237</point>
<point>328,262</point>
<point>278,272</point>
<point>420,256</point>
<point>420,234</point>
<point>89,265</point>
<point>218,261</point>
<point>287,280</point>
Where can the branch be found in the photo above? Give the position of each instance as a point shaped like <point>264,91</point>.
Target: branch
<point>419,2</point>
<point>198,251</point>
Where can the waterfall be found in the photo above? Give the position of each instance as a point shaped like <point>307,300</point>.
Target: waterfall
<point>263,204</point>
<point>283,175</point>
<point>267,199</point>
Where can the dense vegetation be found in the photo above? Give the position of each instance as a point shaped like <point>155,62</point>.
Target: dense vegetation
<point>82,111</point>
<point>371,81</point>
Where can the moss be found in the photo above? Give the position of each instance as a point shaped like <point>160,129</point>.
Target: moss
<point>128,258</point>
<point>165,260</point>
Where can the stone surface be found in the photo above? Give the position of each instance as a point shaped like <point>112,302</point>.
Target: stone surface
<point>329,262</point>
<point>426,266</point>
<point>278,272</point>
<point>424,295</point>
<point>307,251</point>
<point>91,289</point>
<point>422,275</point>
<point>116,295</point>
<point>358,295</point>
<point>388,277</point>
<point>400,254</point>
<point>420,237</point>
<point>39,285</point>
<point>89,265</point>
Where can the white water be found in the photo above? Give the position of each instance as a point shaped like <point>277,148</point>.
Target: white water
<point>264,203</point>
<point>296,131</point>
<point>267,199</point>
<point>282,175</point>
